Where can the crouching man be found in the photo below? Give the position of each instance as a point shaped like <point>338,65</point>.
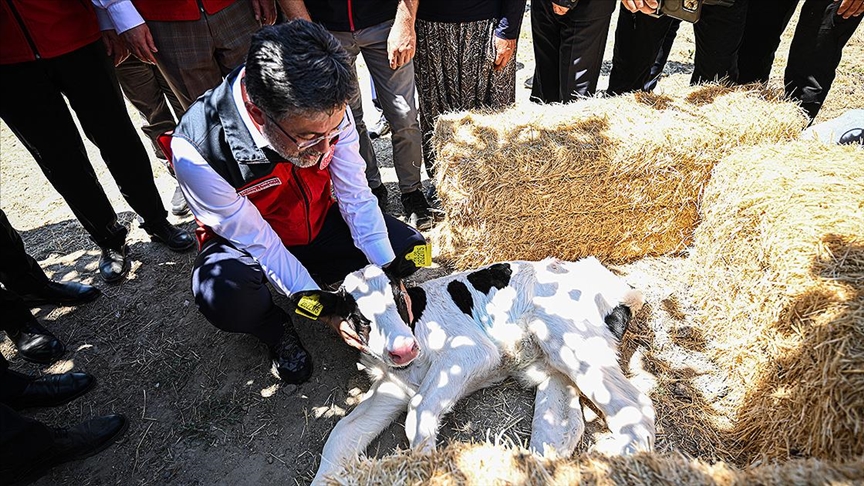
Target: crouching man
<point>260,159</point>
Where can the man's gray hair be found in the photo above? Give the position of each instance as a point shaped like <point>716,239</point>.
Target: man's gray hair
<point>296,68</point>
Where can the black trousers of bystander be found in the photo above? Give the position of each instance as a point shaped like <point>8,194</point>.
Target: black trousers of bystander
<point>813,56</point>
<point>639,37</point>
<point>33,106</point>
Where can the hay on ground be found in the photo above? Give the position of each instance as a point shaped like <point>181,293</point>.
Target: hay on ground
<point>486,464</point>
<point>617,178</point>
<point>777,272</point>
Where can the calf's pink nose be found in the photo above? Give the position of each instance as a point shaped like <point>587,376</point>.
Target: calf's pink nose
<point>404,351</point>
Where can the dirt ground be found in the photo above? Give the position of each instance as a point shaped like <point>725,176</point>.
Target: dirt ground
<point>202,404</point>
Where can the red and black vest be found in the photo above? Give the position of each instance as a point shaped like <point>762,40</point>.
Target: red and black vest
<point>292,200</point>
<point>43,29</point>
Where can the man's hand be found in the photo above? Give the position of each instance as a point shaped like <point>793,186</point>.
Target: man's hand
<point>294,9</point>
<point>644,6</point>
<point>140,42</point>
<point>401,43</point>
<point>559,10</point>
<point>265,11</point>
<point>850,8</point>
<point>114,46</point>
<point>345,331</point>
<point>504,49</point>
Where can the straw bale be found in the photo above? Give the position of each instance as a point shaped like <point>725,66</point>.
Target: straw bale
<point>617,178</point>
<point>486,464</point>
<point>777,274</point>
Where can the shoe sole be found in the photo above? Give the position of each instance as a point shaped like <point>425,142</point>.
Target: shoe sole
<point>180,212</point>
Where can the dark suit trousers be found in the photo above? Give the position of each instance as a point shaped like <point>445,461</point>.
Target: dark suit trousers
<point>20,273</point>
<point>22,440</point>
<point>568,49</point>
<point>639,38</point>
<point>34,107</point>
<point>813,56</point>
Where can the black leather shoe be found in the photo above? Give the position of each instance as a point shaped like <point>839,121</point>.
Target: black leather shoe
<point>173,237</point>
<point>291,362</point>
<point>418,212</point>
<point>62,293</point>
<point>74,443</point>
<point>36,344</point>
<point>52,390</point>
<point>114,264</point>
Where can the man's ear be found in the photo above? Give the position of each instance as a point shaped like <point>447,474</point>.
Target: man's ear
<point>255,113</point>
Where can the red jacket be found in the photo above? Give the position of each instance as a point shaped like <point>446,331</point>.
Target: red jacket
<point>169,10</point>
<point>34,29</point>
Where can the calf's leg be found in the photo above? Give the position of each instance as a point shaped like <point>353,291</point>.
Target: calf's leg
<point>558,423</point>
<point>380,406</point>
<point>588,355</point>
<point>449,379</point>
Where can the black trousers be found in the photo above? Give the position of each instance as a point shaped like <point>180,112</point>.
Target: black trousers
<point>34,108</point>
<point>22,440</point>
<point>230,286</point>
<point>662,56</point>
<point>639,38</point>
<point>813,56</point>
<point>20,274</point>
<point>568,49</point>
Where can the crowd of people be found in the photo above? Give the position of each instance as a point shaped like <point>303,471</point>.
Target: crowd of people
<point>254,107</point>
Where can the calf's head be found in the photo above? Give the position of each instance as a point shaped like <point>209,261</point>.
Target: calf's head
<point>375,305</point>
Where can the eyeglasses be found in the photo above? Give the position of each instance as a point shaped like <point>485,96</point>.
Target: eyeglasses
<point>332,137</point>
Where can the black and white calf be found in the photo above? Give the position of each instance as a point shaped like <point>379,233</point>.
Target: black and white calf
<point>553,324</point>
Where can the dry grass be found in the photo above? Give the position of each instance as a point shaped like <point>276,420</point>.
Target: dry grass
<point>487,464</point>
<point>777,273</point>
<point>587,178</point>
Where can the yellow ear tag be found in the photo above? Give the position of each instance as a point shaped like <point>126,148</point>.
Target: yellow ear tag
<point>421,255</point>
<point>309,307</point>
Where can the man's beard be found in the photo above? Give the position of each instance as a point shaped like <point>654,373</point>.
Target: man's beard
<point>304,159</point>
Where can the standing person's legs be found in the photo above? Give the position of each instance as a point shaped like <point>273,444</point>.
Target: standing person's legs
<point>546,36</point>
<point>22,442</point>
<point>763,28</point>
<point>583,40</point>
<point>395,89</point>
<point>36,111</point>
<point>185,57</point>
<point>718,39</point>
<point>19,272</point>
<point>87,78</point>
<point>662,56</point>
<point>434,76</point>
<point>232,29</point>
<point>815,53</point>
<point>638,39</point>
<point>141,87</point>
<point>373,174</point>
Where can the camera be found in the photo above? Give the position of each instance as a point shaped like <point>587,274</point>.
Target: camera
<point>686,10</point>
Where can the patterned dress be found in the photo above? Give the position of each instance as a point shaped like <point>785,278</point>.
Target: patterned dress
<point>454,71</point>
